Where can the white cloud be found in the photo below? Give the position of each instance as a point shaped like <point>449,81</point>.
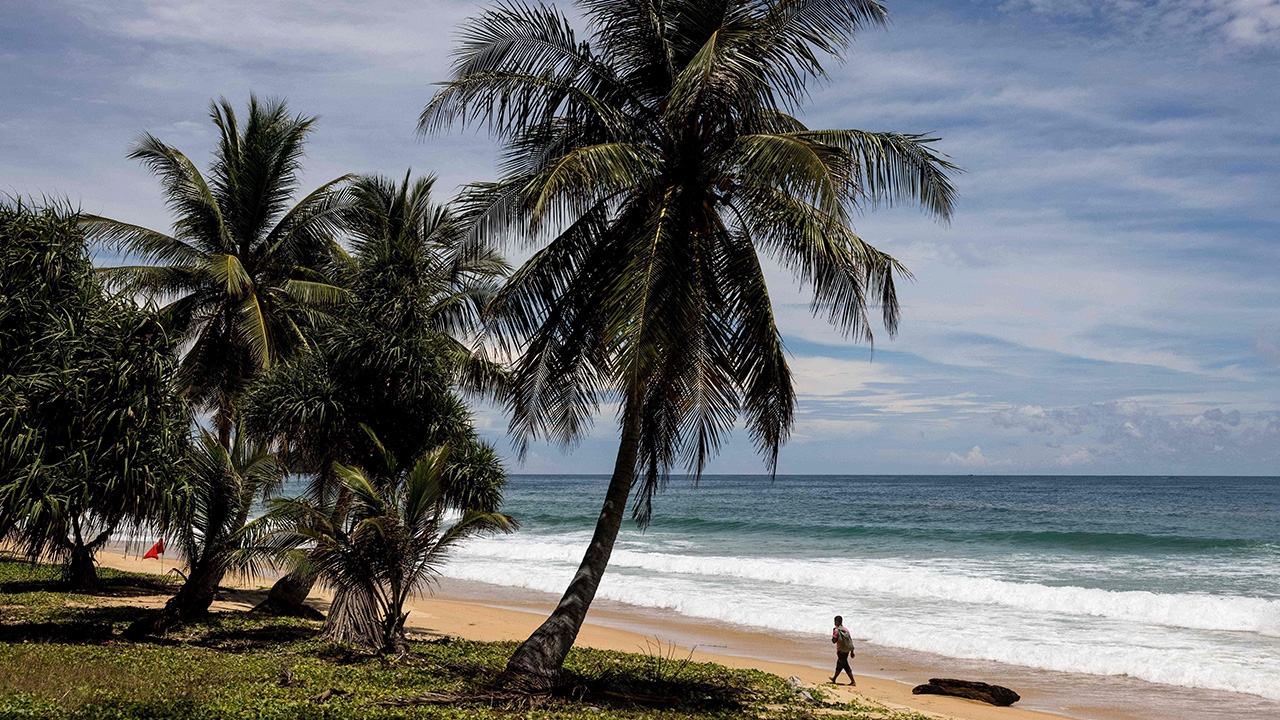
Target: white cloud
<point>1247,22</point>
<point>1128,434</point>
<point>816,429</point>
<point>975,459</point>
<point>1080,457</point>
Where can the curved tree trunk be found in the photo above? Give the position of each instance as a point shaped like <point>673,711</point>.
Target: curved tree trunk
<point>191,602</point>
<point>81,570</point>
<point>537,663</point>
<point>287,597</point>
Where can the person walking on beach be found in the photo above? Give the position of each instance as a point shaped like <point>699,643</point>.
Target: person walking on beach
<point>843,641</point>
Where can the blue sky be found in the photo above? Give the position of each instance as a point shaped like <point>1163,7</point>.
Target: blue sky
<point>1106,301</point>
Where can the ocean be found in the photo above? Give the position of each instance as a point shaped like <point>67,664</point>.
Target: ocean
<point>1169,580</point>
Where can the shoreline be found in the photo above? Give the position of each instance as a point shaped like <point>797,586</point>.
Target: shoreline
<point>477,611</point>
<point>487,612</point>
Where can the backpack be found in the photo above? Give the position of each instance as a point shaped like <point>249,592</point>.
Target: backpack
<point>844,641</point>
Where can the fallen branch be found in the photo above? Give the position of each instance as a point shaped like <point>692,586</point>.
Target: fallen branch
<point>331,692</point>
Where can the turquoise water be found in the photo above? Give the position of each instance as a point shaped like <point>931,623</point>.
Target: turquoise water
<point>1169,580</point>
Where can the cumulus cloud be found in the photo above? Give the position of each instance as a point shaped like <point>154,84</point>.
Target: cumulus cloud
<point>1083,456</point>
<point>1246,22</point>
<point>1129,434</point>
<point>975,459</point>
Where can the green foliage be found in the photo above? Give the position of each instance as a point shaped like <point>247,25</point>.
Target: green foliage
<point>216,498</point>
<point>397,352</point>
<point>90,426</point>
<point>652,165</point>
<point>241,273</point>
<point>387,546</point>
<point>248,666</point>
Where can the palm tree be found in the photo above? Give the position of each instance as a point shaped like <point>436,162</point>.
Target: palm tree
<point>212,512</point>
<point>392,360</point>
<point>651,167</point>
<point>387,547</point>
<point>241,272</point>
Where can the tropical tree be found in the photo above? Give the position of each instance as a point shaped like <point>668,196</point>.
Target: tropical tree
<point>385,548</point>
<point>209,522</point>
<point>90,429</point>
<point>652,167</point>
<point>392,361</point>
<point>241,274</point>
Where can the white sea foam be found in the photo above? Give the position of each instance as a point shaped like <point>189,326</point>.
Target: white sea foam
<point>920,581</point>
<point>1166,638</point>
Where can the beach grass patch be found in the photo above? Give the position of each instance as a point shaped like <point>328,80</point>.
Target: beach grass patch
<point>64,658</point>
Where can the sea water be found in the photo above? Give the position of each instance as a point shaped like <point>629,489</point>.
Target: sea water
<point>1171,580</point>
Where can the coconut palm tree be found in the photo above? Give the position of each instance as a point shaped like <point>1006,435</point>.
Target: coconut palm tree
<point>385,548</point>
<point>212,512</point>
<point>652,166</point>
<point>240,275</point>
<point>393,359</point>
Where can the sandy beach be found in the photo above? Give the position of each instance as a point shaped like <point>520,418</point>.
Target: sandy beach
<point>478,612</point>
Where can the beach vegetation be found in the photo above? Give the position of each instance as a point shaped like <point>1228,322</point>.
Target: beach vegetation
<point>241,277</point>
<point>394,363</point>
<point>91,428</point>
<point>653,167</point>
<point>249,666</point>
<point>386,545</point>
<point>219,487</point>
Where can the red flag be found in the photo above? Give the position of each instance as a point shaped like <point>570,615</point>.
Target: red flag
<point>156,550</point>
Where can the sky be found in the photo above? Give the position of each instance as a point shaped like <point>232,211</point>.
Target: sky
<point>1106,300</point>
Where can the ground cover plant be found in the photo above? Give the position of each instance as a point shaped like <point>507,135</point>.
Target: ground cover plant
<point>64,656</point>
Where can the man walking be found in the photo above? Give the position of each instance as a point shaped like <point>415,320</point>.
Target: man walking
<point>843,641</point>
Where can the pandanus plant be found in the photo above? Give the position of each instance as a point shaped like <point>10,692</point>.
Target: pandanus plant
<point>393,360</point>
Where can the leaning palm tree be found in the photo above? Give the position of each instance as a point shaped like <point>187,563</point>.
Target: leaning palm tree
<point>652,167</point>
<point>240,275</point>
<point>386,547</point>
<point>211,512</point>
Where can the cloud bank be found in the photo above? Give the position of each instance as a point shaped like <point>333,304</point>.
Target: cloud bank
<point>1105,300</point>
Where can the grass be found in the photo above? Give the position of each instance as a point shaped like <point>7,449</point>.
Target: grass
<point>62,656</point>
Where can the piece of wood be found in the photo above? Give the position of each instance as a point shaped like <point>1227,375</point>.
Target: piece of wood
<point>331,692</point>
<point>993,694</point>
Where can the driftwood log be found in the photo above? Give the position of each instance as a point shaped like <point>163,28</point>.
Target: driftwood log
<point>993,694</point>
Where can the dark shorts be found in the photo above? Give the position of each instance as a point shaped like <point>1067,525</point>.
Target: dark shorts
<point>842,661</point>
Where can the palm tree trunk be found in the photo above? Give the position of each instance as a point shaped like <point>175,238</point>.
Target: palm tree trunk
<point>191,602</point>
<point>288,595</point>
<point>538,661</point>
